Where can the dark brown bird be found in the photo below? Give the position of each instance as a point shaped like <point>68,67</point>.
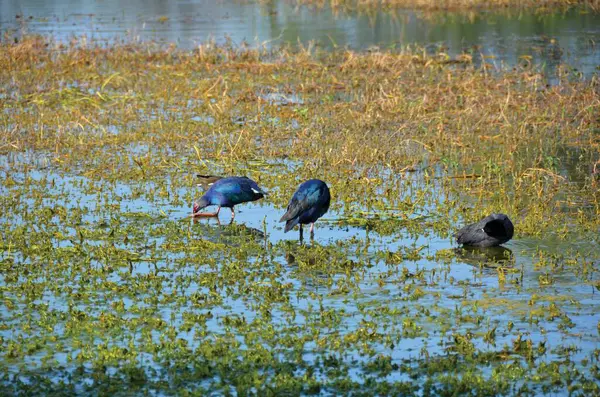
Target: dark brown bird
<point>492,230</point>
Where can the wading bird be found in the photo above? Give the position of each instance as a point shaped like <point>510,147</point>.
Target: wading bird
<point>228,192</point>
<point>308,204</point>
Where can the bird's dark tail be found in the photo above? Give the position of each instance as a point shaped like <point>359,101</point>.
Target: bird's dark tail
<point>205,181</point>
<point>289,225</point>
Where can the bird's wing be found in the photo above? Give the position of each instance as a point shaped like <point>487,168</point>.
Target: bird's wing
<point>232,191</point>
<point>459,236</point>
<point>470,235</point>
<point>300,202</point>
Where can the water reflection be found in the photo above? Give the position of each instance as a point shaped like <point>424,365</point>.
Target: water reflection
<point>520,37</point>
<point>488,257</point>
<point>231,233</point>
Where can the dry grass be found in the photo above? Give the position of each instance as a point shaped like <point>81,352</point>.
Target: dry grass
<point>357,119</point>
<point>454,5</point>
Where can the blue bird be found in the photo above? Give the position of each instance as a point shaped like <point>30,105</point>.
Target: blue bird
<point>308,204</point>
<point>491,231</point>
<point>228,192</point>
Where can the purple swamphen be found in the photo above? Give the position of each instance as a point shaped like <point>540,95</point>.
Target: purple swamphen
<point>308,204</point>
<point>228,192</point>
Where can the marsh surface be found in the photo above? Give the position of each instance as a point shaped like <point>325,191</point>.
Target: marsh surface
<point>107,286</point>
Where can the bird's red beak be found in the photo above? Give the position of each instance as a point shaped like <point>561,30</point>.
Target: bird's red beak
<point>196,208</point>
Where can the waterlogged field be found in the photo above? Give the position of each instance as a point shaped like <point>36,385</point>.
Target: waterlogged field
<point>108,287</point>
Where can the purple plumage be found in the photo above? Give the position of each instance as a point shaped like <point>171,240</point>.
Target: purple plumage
<point>309,203</point>
<point>229,192</point>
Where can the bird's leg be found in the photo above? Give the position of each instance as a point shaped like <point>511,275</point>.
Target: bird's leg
<point>232,214</point>
<point>312,231</point>
<point>300,226</point>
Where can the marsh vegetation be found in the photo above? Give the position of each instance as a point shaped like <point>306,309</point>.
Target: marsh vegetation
<point>106,285</point>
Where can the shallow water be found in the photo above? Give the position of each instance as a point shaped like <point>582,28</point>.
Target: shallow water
<point>510,37</point>
<point>435,301</point>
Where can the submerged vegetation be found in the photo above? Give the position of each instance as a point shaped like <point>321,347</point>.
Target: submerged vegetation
<point>107,286</point>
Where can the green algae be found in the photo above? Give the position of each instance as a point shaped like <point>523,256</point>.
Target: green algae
<point>107,286</point>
